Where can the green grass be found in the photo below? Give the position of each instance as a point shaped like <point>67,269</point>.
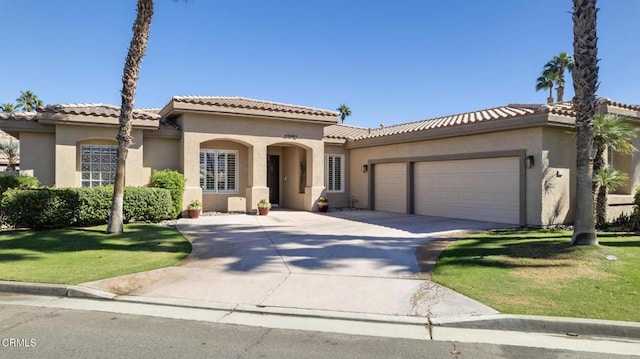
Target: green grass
<point>536,272</point>
<point>72,256</point>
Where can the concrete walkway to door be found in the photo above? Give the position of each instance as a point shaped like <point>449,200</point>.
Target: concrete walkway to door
<point>352,261</point>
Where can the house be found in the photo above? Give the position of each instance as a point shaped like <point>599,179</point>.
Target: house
<point>512,164</point>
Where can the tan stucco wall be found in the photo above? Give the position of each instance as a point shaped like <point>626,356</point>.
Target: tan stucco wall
<point>529,139</point>
<point>37,153</point>
<point>558,176</point>
<point>340,199</point>
<point>256,135</point>
<point>161,153</point>
<point>69,138</point>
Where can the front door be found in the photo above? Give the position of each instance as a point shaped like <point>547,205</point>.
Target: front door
<point>273,178</point>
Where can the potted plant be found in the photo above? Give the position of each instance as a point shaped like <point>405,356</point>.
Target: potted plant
<point>263,207</point>
<point>194,208</point>
<point>323,204</point>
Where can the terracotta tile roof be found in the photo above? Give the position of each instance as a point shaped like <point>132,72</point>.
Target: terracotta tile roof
<point>481,116</point>
<point>17,116</point>
<point>344,132</point>
<point>94,109</point>
<point>507,112</point>
<point>247,103</point>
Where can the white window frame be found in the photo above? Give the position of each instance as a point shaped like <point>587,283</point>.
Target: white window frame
<point>330,173</point>
<point>101,170</point>
<point>212,186</point>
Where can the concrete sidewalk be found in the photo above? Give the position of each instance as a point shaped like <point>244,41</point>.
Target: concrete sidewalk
<point>352,261</point>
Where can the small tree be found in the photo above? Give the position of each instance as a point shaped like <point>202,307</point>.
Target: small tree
<point>608,179</point>
<point>8,108</point>
<point>345,112</point>
<point>28,101</point>
<point>610,131</point>
<point>11,150</point>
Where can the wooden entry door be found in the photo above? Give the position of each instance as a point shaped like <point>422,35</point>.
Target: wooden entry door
<point>273,178</point>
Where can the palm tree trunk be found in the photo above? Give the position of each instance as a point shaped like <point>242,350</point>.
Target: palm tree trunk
<point>585,83</point>
<point>560,91</point>
<point>601,207</point>
<point>137,48</point>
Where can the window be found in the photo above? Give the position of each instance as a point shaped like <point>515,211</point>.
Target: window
<point>98,165</point>
<point>610,156</point>
<point>334,173</point>
<point>219,171</point>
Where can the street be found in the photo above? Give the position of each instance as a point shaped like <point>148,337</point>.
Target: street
<point>37,332</point>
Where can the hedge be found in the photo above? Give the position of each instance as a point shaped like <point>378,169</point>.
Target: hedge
<point>64,207</point>
<point>20,181</point>
<point>173,181</point>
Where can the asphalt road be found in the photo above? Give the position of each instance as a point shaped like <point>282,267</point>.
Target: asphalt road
<point>35,332</point>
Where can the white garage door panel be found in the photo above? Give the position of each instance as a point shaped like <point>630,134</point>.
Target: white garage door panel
<point>390,187</point>
<point>479,189</point>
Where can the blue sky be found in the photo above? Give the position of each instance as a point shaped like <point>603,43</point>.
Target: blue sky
<point>390,61</point>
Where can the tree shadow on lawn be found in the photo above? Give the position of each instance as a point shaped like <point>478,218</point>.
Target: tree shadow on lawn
<point>136,238</point>
<point>511,249</point>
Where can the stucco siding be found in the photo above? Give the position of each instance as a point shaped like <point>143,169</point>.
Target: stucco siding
<point>161,153</point>
<point>558,164</point>
<point>37,153</point>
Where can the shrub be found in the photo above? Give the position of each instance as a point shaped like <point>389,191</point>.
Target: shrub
<point>40,208</point>
<point>147,204</point>
<point>173,181</point>
<point>64,207</point>
<point>21,181</point>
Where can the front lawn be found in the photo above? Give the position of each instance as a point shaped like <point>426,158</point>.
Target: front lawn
<point>536,272</point>
<point>72,256</point>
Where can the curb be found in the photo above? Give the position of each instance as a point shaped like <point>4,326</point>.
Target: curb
<point>562,326</point>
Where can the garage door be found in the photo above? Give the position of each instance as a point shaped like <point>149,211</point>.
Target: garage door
<point>480,189</point>
<point>390,189</point>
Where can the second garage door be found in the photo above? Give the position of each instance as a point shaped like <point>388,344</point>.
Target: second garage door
<point>390,189</point>
<point>485,189</point>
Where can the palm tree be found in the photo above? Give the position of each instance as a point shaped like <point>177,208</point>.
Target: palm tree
<point>545,82</point>
<point>28,101</point>
<point>345,112</point>
<point>557,66</point>
<point>610,131</point>
<point>11,150</point>
<point>585,84</point>
<point>608,179</point>
<point>8,108</point>
<point>137,48</point>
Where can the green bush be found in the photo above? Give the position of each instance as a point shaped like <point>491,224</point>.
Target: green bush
<point>64,207</point>
<point>40,208</point>
<point>21,181</point>
<point>147,204</point>
<point>173,181</point>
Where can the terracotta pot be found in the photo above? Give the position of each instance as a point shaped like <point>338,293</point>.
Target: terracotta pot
<point>323,207</point>
<point>263,211</point>
<point>194,213</point>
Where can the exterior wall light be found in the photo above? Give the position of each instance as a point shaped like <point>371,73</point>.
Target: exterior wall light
<point>365,168</point>
<point>529,161</point>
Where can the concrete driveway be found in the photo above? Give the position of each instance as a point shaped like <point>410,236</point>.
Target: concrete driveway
<point>354,261</point>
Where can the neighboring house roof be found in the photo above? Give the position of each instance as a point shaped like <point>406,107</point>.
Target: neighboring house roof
<point>17,115</point>
<point>511,111</point>
<point>233,104</point>
<point>96,109</point>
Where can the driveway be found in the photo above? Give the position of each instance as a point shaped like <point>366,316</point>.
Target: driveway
<point>355,261</point>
